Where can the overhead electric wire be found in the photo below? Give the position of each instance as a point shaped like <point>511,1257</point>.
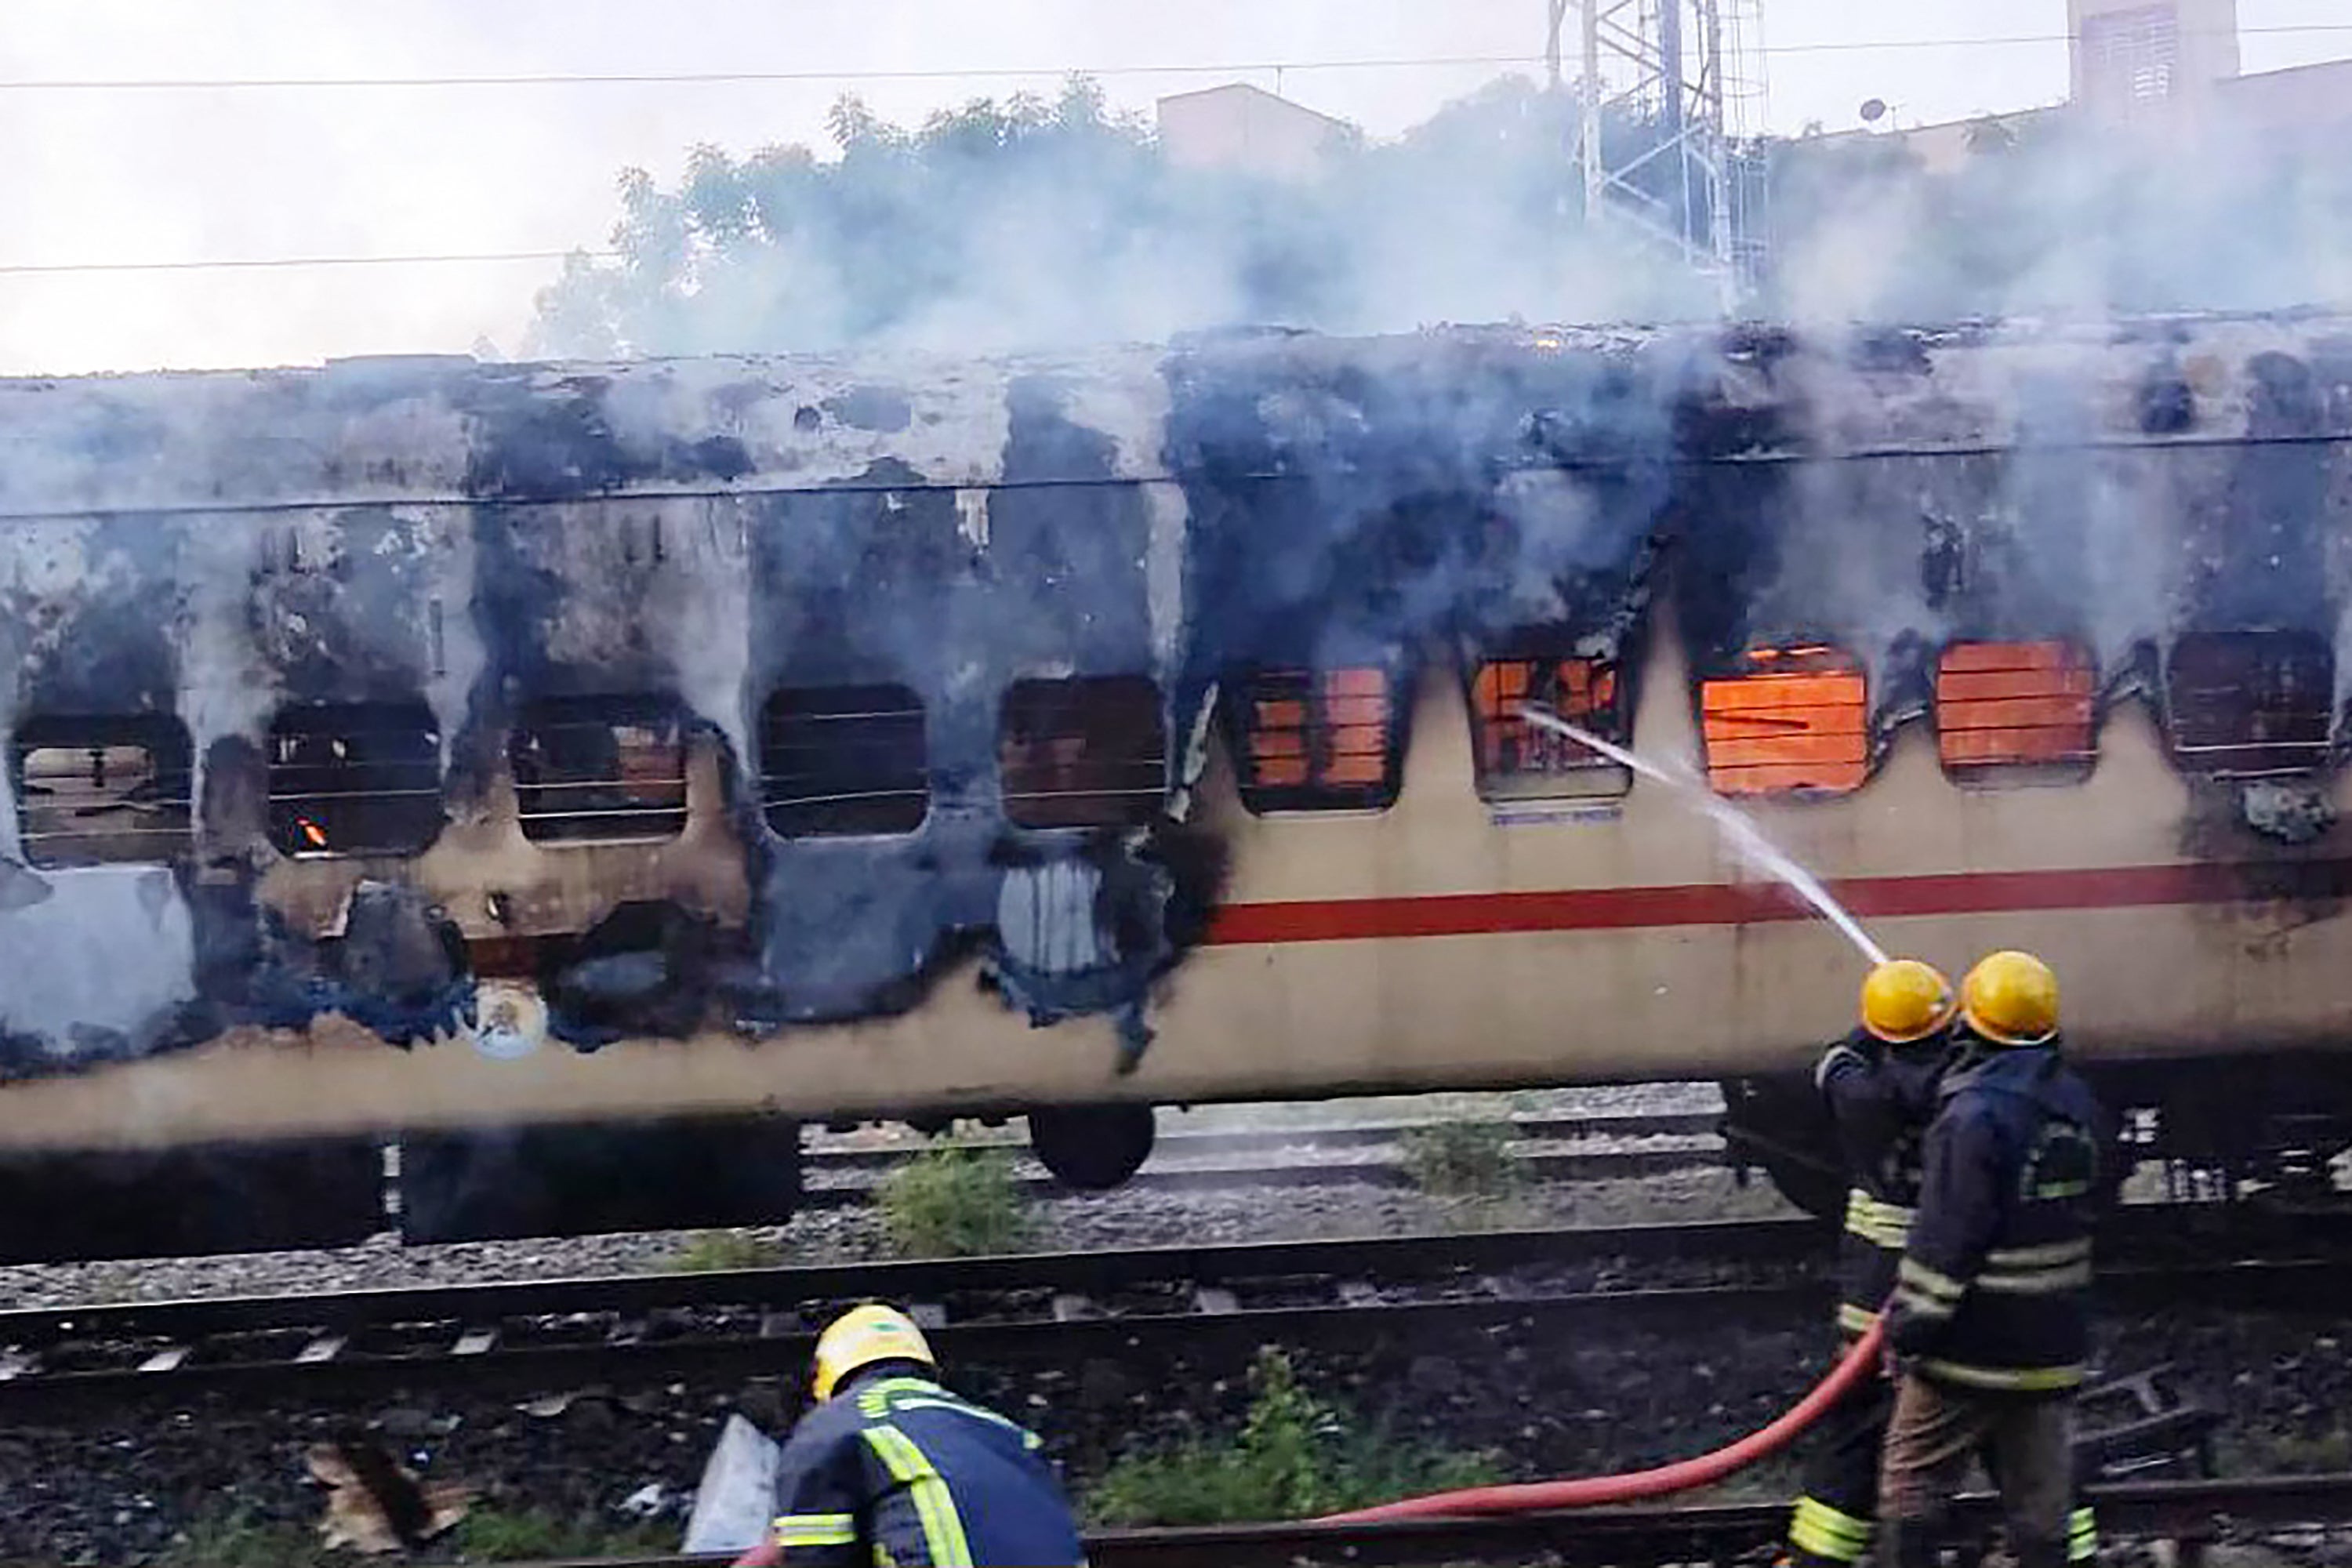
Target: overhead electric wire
<point>948,73</point>
<point>721,77</point>
<point>241,263</point>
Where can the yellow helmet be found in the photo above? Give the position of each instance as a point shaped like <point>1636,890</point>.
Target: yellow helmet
<point>2011,998</point>
<point>862,1336</point>
<point>1903,999</point>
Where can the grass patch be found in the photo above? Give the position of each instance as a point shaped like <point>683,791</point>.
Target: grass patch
<point>1512,1210</point>
<point>1296,1457</point>
<point>713,1251</point>
<point>953,1203</point>
<point>1463,1158</point>
<point>2259,1452</point>
<point>1775,1479</point>
<point>521,1536</point>
<point>219,1538</point>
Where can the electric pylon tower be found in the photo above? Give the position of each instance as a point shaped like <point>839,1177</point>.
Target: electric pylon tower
<point>1670,91</point>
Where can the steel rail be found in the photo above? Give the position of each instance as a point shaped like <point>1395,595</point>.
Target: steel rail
<point>2177,1230</point>
<point>1105,1271</point>
<point>1573,1166</point>
<point>425,1340</point>
<point>1255,1140</point>
<point>2198,1511</point>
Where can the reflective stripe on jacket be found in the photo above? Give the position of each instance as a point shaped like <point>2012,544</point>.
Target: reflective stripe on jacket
<point>1993,1291</point>
<point>897,1470</point>
<point>1881,1098</point>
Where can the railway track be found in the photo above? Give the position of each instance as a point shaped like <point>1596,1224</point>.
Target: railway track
<point>841,1176</point>
<point>746,1322</point>
<point>2191,1514</point>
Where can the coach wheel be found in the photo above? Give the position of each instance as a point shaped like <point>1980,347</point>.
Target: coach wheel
<point>1819,1191</point>
<point>1778,1124</point>
<point>1092,1147</point>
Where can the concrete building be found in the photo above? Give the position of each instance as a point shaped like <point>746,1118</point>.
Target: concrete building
<point>1242,127</point>
<point>2171,68</point>
<point>2131,54</point>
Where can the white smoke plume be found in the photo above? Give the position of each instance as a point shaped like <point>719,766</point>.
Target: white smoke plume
<point>1024,224</point>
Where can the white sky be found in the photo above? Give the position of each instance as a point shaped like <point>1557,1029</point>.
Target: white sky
<point>181,175</point>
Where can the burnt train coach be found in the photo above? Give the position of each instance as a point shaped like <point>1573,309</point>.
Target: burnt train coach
<point>580,775</point>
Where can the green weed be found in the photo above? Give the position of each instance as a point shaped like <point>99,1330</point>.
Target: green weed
<point>713,1251</point>
<point>1296,1457</point>
<point>522,1535</point>
<point>953,1202</point>
<point>222,1538</point>
<point>1463,1158</point>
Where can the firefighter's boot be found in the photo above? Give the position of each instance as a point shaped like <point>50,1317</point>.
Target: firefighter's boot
<point>1917,1542</point>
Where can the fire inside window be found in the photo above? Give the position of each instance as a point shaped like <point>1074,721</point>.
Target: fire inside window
<point>102,791</point>
<point>838,761</point>
<point>1089,752</point>
<point>1519,761</point>
<point>2000,706</point>
<point>2244,704</point>
<point>354,778</point>
<point>599,768</point>
<point>1796,720</point>
<point>1318,740</point>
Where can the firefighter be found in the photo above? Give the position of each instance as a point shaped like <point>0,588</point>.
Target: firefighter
<point>891,1467</point>
<point>1987,1331</point>
<point>1879,1086</point>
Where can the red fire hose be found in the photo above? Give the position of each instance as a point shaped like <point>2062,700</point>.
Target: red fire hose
<point>1683,1475</point>
<point>1534,1497</point>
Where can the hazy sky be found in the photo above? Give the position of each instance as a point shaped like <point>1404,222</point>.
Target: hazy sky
<point>167,175</point>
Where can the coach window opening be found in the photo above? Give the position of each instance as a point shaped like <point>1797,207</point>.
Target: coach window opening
<point>1788,721</point>
<point>599,769</point>
<point>2249,704</point>
<point>354,779</point>
<point>1083,751</point>
<point>844,760</point>
<point>1515,759</point>
<point>103,790</point>
<point>2016,713</point>
<point>1317,739</point>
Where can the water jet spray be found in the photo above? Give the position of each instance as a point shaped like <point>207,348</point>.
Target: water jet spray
<point>1745,838</point>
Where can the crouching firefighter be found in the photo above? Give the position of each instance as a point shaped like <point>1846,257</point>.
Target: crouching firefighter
<point>890,1468</point>
<point>1879,1086</point>
<point>1989,1327</point>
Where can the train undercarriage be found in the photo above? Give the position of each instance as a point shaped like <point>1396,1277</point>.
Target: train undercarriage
<point>2251,1128</point>
<point>2228,1128</point>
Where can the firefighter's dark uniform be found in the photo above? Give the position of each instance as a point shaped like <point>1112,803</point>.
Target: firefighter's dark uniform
<point>1989,1322</point>
<point>894,1469</point>
<point>1881,1096</point>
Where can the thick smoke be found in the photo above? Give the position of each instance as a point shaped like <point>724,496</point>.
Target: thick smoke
<point>1022,224</point>
<point>2059,214</point>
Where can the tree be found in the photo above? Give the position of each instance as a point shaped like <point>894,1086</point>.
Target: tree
<point>1024,223</point>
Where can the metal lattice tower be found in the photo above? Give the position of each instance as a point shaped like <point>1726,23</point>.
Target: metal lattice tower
<point>1669,90</point>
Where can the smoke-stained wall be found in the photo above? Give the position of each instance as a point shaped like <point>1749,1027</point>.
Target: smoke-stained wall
<point>466,542</point>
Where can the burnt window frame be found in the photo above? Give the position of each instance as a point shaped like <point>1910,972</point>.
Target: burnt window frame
<point>1757,663</point>
<point>1123,693</point>
<point>865,813</point>
<point>1247,686</point>
<point>576,828</point>
<point>2265,756</point>
<point>171,755</point>
<point>1606,780</point>
<point>399,716</point>
<point>2019,772</point>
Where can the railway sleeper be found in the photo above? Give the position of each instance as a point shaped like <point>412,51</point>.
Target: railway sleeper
<point>2143,1424</point>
